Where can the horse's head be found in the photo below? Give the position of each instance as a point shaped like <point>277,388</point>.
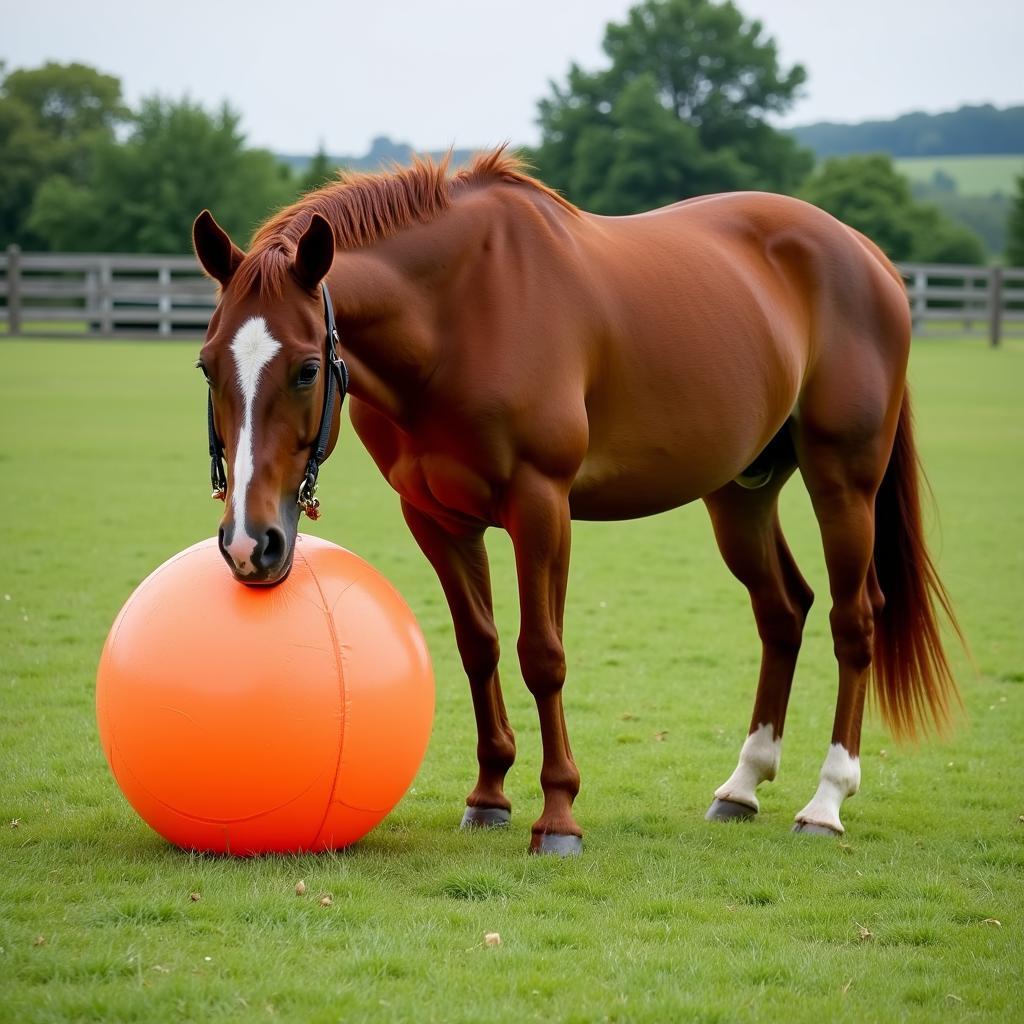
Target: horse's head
<point>268,360</point>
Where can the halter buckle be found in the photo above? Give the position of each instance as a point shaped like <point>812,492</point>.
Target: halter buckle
<point>306,498</point>
<point>218,479</point>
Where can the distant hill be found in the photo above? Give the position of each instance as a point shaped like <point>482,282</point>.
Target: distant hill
<point>382,151</point>
<point>981,130</point>
<point>969,175</point>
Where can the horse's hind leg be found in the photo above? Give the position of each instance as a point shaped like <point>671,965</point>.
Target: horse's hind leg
<point>842,470</point>
<point>460,561</point>
<point>747,529</point>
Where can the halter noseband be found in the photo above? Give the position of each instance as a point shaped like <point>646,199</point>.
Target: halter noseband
<point>337,384</point>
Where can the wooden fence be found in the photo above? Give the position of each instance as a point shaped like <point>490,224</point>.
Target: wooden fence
<point>103,295</point>
<point>106,295</point>
<point>965,300</point>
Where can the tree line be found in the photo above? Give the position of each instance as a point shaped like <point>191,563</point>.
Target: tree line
<point>971,130</point>
<point>684,107</point>
<point>80,171</point>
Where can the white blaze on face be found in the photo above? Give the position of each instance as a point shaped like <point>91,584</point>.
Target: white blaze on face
<point>253,347</point>
<point>759,762</point>
<point>840,778</point>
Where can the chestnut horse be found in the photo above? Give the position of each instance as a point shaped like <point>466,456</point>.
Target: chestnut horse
<point>517,362</point>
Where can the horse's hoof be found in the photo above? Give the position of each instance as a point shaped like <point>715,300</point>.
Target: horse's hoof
<point>809,828</point>
<point>556,845</point>
<point>485,817</point>
<point>729,810</point>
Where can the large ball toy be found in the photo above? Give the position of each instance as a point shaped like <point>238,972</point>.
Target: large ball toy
<point>251,720</point>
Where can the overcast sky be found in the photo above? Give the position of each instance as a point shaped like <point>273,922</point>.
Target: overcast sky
<point>470,72</point>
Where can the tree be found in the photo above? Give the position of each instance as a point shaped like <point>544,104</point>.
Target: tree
<point>869,194</point>
<point>70,102</point>
<point>937,239</point>
<point>626,158</point>
<point>51,119</point>
<point>688,92</point>
<point>22,165</point>
<point>1015,228</point>
<point>142,195</point>
<point>986,216</point>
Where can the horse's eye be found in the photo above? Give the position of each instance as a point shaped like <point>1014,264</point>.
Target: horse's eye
<point>307,375</point>
<point>199,366</point>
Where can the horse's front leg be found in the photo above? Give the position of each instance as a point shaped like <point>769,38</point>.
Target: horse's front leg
<point>460,560</point>
<point>537,519</point>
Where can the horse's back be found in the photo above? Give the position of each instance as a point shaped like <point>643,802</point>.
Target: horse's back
<point>718,312</point>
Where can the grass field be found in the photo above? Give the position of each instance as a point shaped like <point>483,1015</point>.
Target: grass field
<point>974,175</point>
<point>917,914</point>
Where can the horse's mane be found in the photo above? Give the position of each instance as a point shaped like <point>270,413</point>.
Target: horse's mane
<point>363,208</point>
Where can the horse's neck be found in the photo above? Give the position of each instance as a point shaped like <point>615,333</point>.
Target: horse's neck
<point>389,296</point>
<point>386,298</point>
<point>385,326</point>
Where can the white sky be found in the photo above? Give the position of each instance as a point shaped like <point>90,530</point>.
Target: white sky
<point>470,72</point>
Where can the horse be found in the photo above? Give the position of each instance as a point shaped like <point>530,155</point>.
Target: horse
<point>516,362</point>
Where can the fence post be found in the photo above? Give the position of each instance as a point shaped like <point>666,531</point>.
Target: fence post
<point>13,290</point>
<point>92,298</point>
<point>995,306</point>
<point>920,297</point>
<point>164,276</point>
<point>106,297</point>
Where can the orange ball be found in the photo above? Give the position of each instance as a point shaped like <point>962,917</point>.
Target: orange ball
<point>252,720</point>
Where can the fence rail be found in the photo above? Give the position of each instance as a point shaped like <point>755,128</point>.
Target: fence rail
<point>107,294</point>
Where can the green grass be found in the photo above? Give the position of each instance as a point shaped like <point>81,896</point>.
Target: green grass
<point>103,475</point>
<point>974,175</point>
<point>49,328</point>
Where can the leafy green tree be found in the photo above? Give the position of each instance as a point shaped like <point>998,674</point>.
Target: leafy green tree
<point>627,156</point>
<point>869,194</point>
<point>986,216</point>
<point>66,217</point>
<point>713,68</point>
<point>143,194</point>
<point>1015,228</point>
<point>22,165</point>
<point>51,119</point>
<point>937,239</point>
<point>688,93</point>
<point>70,102</point>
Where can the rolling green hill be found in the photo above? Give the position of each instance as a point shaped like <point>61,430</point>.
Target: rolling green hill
<point>972,175</point>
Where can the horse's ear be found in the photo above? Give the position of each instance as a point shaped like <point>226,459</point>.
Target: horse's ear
<point>217,254</point>
<point>315,252</point>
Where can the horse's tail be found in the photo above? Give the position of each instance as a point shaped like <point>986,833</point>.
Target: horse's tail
<point>914,685</point>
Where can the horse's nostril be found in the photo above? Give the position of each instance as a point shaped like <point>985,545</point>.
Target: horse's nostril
<point>272,549</point>
<point>222,543</point>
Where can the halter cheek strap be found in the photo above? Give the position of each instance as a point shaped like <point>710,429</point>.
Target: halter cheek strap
<point>336,385</point>
<point>218,479</point>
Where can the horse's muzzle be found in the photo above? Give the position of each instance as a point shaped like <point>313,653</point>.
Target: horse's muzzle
<point>257,554</point>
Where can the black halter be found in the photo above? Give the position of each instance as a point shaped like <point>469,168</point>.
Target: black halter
<point>336,384</point>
